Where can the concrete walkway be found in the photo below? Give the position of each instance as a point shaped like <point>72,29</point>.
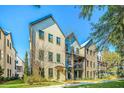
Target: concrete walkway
<point>79,83</point>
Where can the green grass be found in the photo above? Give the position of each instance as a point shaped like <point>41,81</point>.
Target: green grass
<point>21,84</point>
<point>113,84</point>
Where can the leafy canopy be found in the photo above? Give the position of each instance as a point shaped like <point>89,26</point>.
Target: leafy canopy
<point>110,27</point>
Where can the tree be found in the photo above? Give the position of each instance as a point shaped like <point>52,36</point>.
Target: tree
<point>1,71</point>
<point>110,27</point>
<point>26,67</point>
<point>112,59</point>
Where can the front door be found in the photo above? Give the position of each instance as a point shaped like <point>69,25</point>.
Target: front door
<point>58,74</point>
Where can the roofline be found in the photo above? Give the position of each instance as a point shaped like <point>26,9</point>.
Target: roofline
<point>74,36</point>
<point>87,43</point>
<point>40,19</point>
<point>10,36</point>
<point>44,18</point>
<point>2,30</point>
<point>20,58</point>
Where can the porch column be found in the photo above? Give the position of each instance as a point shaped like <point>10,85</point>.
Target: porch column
<point>72,67</point>
<point>77,74</point>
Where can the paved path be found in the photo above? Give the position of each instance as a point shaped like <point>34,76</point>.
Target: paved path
<point>80,83</point>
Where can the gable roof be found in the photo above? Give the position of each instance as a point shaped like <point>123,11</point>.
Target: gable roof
<point>6,34</point>
<point>20,58</point>
<point>72,34</point>
<point>44,18</point>
<point>86,43</point>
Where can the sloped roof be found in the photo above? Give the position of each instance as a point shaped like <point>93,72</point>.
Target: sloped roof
<point>20,58</point>
<point>72,34</point>
<point>41,19</point>
<point>44,18</point>
<point>6,34</point>
<point>86,43</point>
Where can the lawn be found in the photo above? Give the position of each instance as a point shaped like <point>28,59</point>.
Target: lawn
<point>21,84</point>
<point>113,84</point>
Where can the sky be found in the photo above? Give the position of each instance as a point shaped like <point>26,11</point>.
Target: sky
<point>16,19</point>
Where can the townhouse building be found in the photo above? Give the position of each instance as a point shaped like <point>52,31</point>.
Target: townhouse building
<point>89,53</point>
<point>47,49</point>
<point>81,60</point>
<point>19,68</point>
<point>7,54</point>
<point>74,59</point>
<point>56,57</point>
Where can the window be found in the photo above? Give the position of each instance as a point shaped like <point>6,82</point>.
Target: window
<point>0,55</point>
<point>58,74</point>
<point>50,56</point>
<point>10,73</point>
<point>90,52</point>
<point>94,53</point>
<point>42,72</point>
<point>87,51</point>
<point>10,60</point>
<point>19,68</point>
<point>94,73</point>
<point>15,63</point>
<point>39,70</point>
<point>41,34</point>
<point>58,58</point>
<point>7,42</point>
<point>91,74</point>
<point>10,45</point>
<point>91,64</point>
<point>87,74</point>
<point>0,34</point>
<point>50,38</point>
<point>7,58</point>
<point>58,40</point>
<point>87,63</point>
<point>7,72</point>
<point>77,50</point>
<point>72,49</point>
<point>41,55</point>
<point>94,65</point>
<point>50,72</point>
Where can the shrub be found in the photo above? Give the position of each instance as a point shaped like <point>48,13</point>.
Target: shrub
<point>30,81</point>
<point>44,80</point>
<point>33,79</point>
<point>86,78</point>
<point>1,78</point>
<point>13,78</point>
<point>37,80</point>
<point>7,79</point>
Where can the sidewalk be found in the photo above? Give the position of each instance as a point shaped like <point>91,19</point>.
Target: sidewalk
<point>79,83</point>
